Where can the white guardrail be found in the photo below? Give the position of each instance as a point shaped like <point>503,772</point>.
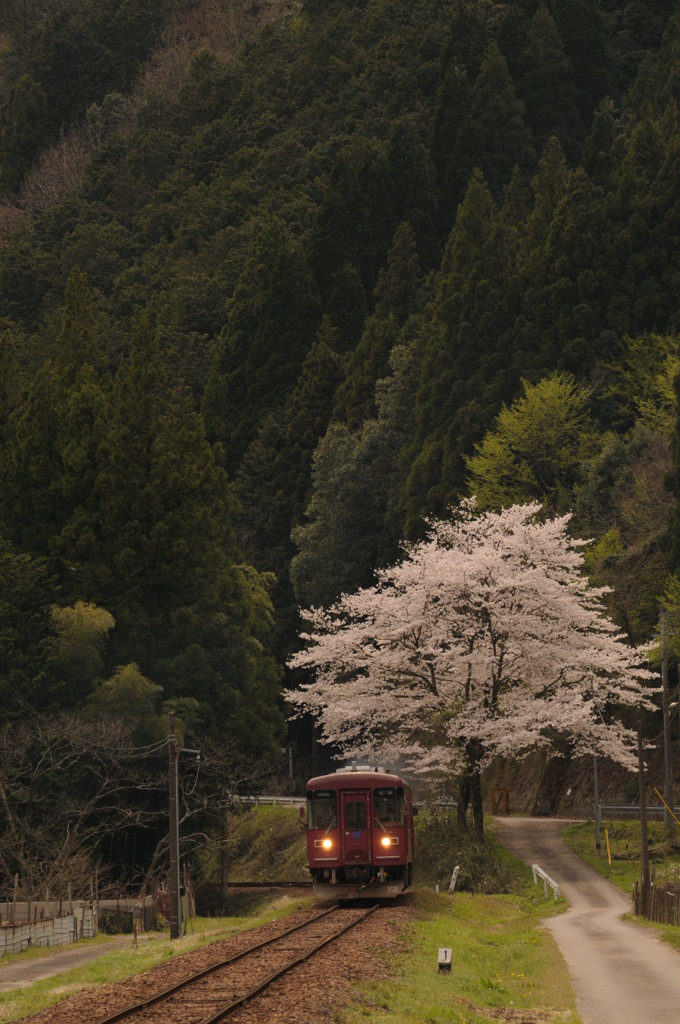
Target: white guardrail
<point>282,801</point>
<point>547,881</point>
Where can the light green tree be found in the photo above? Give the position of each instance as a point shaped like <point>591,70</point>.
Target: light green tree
<point>128,696</point>
<point>79,635</point>
<point>536,447</point>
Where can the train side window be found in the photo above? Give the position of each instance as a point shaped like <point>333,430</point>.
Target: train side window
<point>355,815</point>
<point>321,810</point>
<point>388,805</point>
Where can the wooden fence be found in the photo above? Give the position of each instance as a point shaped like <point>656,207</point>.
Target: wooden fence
<point>659,902</point>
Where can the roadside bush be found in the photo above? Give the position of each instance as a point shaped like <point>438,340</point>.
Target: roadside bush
<point>484,867</point>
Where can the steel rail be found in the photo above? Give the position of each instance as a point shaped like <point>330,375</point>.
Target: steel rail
<point>270,885</point>
<point>144,1004</point>
<point>226,1010</point>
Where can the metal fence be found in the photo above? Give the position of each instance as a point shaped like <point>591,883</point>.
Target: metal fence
<point>278,801</point>
<point>630,810</point>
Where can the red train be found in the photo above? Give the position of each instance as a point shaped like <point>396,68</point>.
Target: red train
<point>359,833</point>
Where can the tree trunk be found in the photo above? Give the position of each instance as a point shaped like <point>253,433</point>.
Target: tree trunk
<point>477,808</point>
<point>224,869</point>
<point>474,753</point>
<point>464,791</point>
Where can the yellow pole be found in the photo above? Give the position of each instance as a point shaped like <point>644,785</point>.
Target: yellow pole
<point>666,805</point>
<point>609,855</point>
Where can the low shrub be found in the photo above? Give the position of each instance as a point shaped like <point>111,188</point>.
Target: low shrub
<point>484,867</point>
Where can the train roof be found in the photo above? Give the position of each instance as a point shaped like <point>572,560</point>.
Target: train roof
<point>358,777</point>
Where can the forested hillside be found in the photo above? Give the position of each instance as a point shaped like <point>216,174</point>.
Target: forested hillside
<point>279,281</point>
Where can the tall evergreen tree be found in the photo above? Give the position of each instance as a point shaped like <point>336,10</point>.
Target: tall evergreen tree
<point>272,319</point>
<point>464,366</point>
<point>275,475</point>
<point>26,591</point>
<point>187,612</point>
<point>547,88</point>
<point>574,279</point>
<point>493,136</point>
<point>466,43</point>
<point>581,29</point>
<point>395,298</point>
<point>51,463</point>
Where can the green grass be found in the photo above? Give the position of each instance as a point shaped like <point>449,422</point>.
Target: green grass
<point>502,960</point>
<point>267,844</point>
<point>624,848</point>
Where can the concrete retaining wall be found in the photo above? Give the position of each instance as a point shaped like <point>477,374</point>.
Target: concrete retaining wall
<point>58,931</point>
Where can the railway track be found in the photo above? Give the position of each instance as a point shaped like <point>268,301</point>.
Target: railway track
<point>270,885</point>
<point>215,992</point>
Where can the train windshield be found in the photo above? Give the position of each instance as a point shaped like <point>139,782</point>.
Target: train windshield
<point>355,815</point>
<point>388,805</point>
<point>322,809</point>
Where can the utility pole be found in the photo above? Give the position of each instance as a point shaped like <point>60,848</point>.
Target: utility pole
<point>598,841</point>
<point>175,902</point>
<point>596,789</point>
<point>644,854</point>
<point>667,817</point>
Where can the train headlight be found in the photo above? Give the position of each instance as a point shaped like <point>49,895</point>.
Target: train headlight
<point>386,840</point>
<point>327,843</point>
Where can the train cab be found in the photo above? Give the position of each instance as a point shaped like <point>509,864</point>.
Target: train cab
<point>359,833</point>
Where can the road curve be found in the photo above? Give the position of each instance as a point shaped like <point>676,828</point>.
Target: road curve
<point>621,973</point>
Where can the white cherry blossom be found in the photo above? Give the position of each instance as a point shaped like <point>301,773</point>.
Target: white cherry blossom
<point>486,638</point>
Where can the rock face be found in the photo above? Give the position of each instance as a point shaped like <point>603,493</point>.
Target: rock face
<point>564,786</point>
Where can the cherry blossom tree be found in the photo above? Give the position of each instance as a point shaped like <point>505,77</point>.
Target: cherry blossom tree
<point>486,640</point>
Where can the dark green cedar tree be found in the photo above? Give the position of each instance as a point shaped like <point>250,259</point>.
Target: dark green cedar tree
<point>581,29</point>
<point>547,88</point>
<point>395,296</point>
<point>188,612</point>
<point>465,365</point>
<point>493,135</point>
<point>26,591</point>
<point>272,320</point>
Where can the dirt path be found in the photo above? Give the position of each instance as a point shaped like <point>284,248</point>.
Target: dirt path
<point>622,973</point>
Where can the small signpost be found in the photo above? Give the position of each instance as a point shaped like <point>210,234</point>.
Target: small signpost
<point>444,960</point>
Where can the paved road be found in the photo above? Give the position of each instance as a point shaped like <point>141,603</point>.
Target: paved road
<point>621,973</point>
<point>22,973</point>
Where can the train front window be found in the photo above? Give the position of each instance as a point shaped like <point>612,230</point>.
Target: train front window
<point>388,805</point>
<point>321,809</point>
<point>355,815</point>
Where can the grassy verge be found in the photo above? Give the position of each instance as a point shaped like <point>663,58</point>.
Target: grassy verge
<point>624,849</point>
<point>127,960</point>
<point>267,844</point>
<point>505,966</point>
